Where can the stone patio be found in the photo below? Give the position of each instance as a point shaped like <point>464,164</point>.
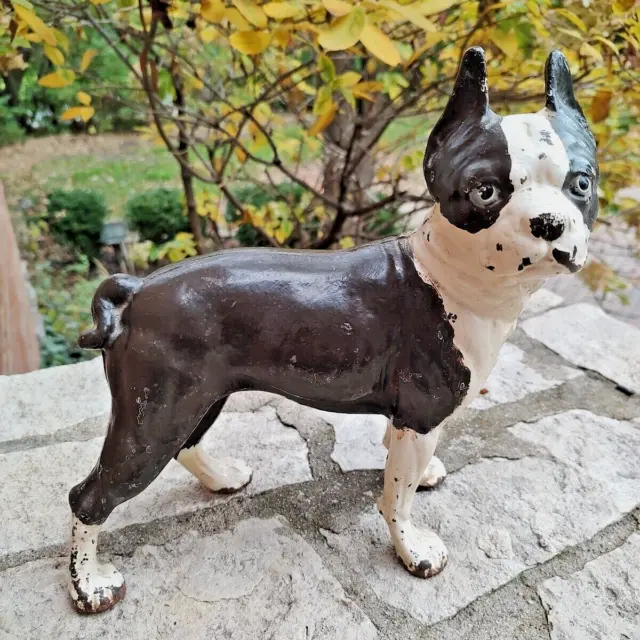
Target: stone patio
<point>540,512</point>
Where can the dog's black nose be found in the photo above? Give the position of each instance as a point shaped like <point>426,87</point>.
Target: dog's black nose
<point>547,226</point>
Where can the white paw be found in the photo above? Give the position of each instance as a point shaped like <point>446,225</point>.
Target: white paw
<point>229,475</point>
<point>422,552</point>
<point>95,587</point>
<point>434,474</point>
<point>223,475</point>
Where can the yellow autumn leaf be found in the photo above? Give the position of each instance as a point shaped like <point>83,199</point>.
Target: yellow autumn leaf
<point>87,58</point>
<point>343,32</point>
<point>281,38</point>
<point>250,43</point>
<point>62,39</point>
<point>506,42</point>
<point>324,119</point>
<point>429,7</point>
<point>589,51</point>
<point>607,43</point>
<point>366,89</point>
<point>84,113</point>
<point>622,6</point>
<point>379,44</point>
<point>209,34</point>
<point>33,37</point>
<point>35,24</point>
<point>280,10</point>
<point>411,13</point>
<point>252,12</point>
<point>83,98</point>
<point>337,7</point>
<point>237,19</point>
<point>572,18</point>
<point>212,10</point>
<point>571,32</point>
<point>347,242</point>
<point>348,79</point>
<point>539,26</point>
<point>55,55</point>
<point>57,80</point>
<point>601,104</point>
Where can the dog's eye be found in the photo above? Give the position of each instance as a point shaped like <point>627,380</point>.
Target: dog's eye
<point>581,186</point>
<point>485,195</point>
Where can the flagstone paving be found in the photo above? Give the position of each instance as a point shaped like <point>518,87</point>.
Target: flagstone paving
<point>540,511</point>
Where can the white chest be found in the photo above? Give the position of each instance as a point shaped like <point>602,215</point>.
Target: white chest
<point>479,339</point>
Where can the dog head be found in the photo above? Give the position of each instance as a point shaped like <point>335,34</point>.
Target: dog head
<point>523,188</point>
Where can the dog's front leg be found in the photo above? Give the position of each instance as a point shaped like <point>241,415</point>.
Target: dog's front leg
<point>422,552</point>
<point>434,474</point>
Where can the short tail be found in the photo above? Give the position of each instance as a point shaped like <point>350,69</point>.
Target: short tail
<point>109,300</point>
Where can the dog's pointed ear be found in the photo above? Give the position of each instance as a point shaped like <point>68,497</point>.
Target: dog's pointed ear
<point>559,85</point>
<point>469,102</point>
<point>470,97</point>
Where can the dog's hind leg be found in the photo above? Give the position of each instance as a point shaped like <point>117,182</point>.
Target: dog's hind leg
<point>435,472</point>
<point>152,417</point>
<point>422,552</point>
<point>223,475</point>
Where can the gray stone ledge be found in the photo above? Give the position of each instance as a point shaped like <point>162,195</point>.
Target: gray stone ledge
<point>34,484</point>
<point>258,580</point>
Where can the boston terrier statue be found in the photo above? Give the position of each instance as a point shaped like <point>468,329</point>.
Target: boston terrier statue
<point>409,327</point>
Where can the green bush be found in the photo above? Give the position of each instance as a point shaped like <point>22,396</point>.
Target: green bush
<point>158,215</point>
<point>64,301</point>
<point>76,217</point>
<point>258,196</point>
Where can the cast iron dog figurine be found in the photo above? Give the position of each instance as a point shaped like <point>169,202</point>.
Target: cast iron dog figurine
<point>408,327</point>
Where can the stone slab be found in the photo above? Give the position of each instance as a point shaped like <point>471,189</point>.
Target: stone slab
<point>587,337</point>
<point>601,601</point>
<point>499,517</point>
<point>34,483</point>
<point>513,378</point>
<point>358,438</point>
<point>541,301</point>
<point>259,580</point>
<point>49,400</point>
<point>45,401</point>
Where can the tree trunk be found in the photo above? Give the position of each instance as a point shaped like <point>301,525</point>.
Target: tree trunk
<point>187,177</point>
<point>194,219</point>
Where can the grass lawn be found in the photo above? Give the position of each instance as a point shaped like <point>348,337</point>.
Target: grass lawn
<point>116,178</point>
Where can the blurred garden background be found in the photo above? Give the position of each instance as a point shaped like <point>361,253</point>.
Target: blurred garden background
<point>136,133</point>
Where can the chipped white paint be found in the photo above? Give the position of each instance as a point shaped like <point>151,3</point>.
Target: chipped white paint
<point>217,474</point>
<point>512,379</point>
<point>421,551</point>
<point>93,586</point>
<point>587,337</point>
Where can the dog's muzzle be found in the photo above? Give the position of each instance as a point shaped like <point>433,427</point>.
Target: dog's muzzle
<point>565,259</point>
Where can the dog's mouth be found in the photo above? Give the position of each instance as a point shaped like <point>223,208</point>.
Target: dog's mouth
<point>566,260</point>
